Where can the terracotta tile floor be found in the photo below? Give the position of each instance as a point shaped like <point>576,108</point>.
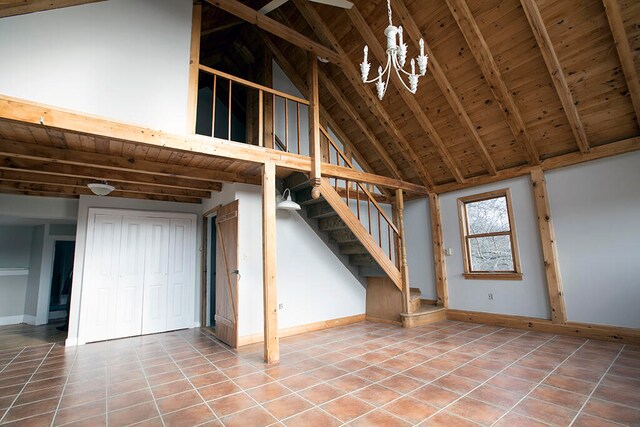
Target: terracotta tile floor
<point>365,374</point>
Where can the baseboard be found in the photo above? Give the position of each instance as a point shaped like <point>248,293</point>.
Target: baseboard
<point>196,324</point>
<point>71,342</point>
<point>55,315</point>
<point>301,329</point>
<point>583,330</point>
<point>29,320</point>
<point>12,320</point>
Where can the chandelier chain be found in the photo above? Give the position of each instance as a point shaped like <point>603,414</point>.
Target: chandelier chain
<point>389,11</point>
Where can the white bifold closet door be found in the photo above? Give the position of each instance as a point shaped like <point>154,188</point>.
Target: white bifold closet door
<point>138,276</point>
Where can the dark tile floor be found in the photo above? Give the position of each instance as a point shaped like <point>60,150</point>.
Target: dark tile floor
<point>366,374</point>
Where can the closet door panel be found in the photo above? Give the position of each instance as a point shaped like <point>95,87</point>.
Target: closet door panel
<point>181,285</point>
<point>156,276</point>
<point>128,318</point>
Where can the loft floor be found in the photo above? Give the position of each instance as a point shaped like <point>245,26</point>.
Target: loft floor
<point>449,373</point>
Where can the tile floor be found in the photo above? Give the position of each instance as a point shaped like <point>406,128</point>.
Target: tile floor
<point>366,374</point>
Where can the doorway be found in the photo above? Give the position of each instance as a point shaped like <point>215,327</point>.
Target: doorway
<point>212,271</point>
<point>61,279</point>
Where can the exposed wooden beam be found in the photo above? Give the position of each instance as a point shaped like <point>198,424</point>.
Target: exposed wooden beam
<point>402,253</point>
<point>63,181</point>
<point>442,291</point>
<point>22,7</point>
<point>320,28</point>
<point>277,29</point>
<point>410,100</point>
<point>366,131</point>
<point>54,190</point>
<point>549,251</point>
<point>314,124</point>
<point>414,34</point>
<point>106,161</point>
<point>555,70</point>
<point>270,288</point>
<point>15,110</point>
<point>599,152</point>
<point>612,9</point>
<point>480,50</point>
<point>194,63</point>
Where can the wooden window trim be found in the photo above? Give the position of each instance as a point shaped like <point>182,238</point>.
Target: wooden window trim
<point>465,237</point>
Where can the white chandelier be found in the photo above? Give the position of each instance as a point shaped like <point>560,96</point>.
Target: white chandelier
<point>396,57</point>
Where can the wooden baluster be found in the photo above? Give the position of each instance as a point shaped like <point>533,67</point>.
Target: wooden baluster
<point>286,125</point>
<point>369,213</point>
<point>230,83</point>
<point>379,229</point>
<point>260,118</point>
<point>346,185</point>
<point>389,240</point>
<point>298,116</point>
<point>273,122</point>
<point>213,107</point>
<point>358,199</point>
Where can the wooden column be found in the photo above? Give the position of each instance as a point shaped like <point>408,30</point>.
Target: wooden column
<point>314,124</point>
<point>438,251</point>
<point>549,251</point>
<point>268,106</point>
<point>270,290</point>
<point>402,253</point>
<point>194,62</point>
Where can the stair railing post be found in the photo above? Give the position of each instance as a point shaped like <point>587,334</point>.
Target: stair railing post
<point>314,125</point>
<point>404,268</point>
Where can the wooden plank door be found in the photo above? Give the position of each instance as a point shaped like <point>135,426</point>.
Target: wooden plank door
<point>226,317</point>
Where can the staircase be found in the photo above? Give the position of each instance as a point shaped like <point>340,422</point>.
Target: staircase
<point>337,221</point>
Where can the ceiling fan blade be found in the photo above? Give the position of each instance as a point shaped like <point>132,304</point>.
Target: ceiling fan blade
<point>345,4</point>
<point>273,4</point>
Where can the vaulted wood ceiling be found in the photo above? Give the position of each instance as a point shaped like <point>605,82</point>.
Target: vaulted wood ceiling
<point>510,83</point>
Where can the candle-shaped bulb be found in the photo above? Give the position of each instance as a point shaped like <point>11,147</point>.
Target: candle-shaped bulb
<point>413,66</point>
<point>380,72</point>
<point>400,36</point>
<point>366,52</point>
<point>421,47</point>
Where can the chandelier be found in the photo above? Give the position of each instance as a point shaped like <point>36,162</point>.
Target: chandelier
<point>396,58</point>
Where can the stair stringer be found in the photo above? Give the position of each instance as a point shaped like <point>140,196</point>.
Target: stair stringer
<point>334,199</point>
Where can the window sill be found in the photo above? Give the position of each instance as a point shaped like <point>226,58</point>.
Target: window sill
<point>493,276</point>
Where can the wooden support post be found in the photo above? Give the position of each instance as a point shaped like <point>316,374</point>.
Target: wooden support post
<point>194,63</point>
<point>404,267</point>
<point>549,252</point>
<point>270,290</point>
<point>438,251</point>
<point>314,124</point>
<point>267,119</point>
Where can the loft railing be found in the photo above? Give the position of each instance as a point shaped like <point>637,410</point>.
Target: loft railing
<point>381,228</point>
<point>275,113</point>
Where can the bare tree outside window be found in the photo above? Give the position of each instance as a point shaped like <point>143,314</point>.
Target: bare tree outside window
<point>488,235</point>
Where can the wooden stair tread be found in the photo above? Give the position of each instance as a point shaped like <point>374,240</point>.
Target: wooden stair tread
<point>424,309</point>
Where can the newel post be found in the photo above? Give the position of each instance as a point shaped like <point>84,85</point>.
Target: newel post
<point>402,252</point>
<point>314,125</point>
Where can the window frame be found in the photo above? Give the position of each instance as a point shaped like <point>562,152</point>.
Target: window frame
<point>465,237</point>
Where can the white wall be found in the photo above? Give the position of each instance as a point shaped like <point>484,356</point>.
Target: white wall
<point>15,250</point>
<point>87,202</point>
<point>417,224</point>
<point>313,284</point>
<point>526,297</point>
<point>121,59</point>
<point>596,215</point>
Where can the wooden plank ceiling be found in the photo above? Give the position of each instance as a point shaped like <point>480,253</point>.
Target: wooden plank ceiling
<point>510,84</point>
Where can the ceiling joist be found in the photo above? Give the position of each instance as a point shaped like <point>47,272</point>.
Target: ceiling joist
<point>22,7</point>
<point>555,70</point>
<point>252,16</point>
<point>480,50</point>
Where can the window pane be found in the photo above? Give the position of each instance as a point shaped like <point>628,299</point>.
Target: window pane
<point>488,216</point>
<point>491,253</point>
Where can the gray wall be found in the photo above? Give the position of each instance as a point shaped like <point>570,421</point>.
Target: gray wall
<point>596,214</point>
<point>35,269</point>
<point>15,250</point>
<point>417,223</point>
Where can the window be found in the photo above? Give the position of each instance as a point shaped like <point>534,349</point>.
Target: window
<point>488,232</point>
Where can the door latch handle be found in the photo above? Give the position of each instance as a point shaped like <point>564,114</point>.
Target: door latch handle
<point>238,273</point>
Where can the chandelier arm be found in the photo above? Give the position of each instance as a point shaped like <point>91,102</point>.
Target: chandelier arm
<point>398,67</point>
<point>402,81</point>
<point>386,84</point>
<point>386,69</point>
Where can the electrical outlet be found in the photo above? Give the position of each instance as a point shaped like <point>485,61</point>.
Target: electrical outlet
<point>490,296</point>
<point>280,306</point>
<point>448,251</point>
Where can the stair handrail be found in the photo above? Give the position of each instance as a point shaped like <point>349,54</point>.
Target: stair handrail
<point>364,190</point>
